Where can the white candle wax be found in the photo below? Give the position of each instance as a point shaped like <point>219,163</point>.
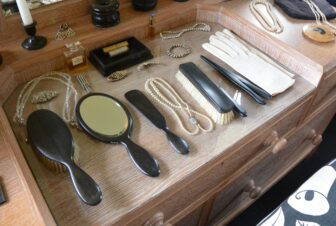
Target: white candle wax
<point>24,12</point>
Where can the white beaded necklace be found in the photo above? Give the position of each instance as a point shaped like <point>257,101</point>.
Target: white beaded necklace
<point>176,34</point>
<point>65,79</point>
<point>274,26</point>
<point>176,103</point>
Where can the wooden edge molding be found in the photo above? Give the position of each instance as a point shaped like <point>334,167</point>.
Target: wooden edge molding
<point>39,207</point>
<point>305,151</point>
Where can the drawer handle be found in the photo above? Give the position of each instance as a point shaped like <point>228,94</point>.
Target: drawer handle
<point>271,139</point>
<point>315,138</point>
<point>279,146</point>
<point>253,190</point>
<point>156,220</point>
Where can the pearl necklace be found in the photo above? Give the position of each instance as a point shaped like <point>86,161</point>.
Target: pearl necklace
<point>27,90</point>
<point>319,15</point>
<point>176,34</point>
<point>274,26</point>
<point>176,103</point>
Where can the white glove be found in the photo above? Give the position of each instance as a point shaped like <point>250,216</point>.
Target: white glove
<point>232,51</point>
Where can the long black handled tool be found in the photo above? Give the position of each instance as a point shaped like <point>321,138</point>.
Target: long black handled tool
<point>145,106</point>
<point>257,93</point>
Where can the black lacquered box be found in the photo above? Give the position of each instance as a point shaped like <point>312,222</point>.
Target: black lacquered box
<point>106,65</point>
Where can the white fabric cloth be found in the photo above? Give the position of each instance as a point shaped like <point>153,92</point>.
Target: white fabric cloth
<point>312,204</point>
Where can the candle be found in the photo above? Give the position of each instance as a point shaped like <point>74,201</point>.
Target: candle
<point>24,12</point>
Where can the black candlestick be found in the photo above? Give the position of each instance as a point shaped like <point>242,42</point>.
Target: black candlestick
<point>33,42</point>
<point>0,59</point>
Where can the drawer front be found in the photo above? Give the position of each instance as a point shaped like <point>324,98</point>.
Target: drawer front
<point>235,197</point>
<point>326,90</point>
<point>318,122</point>
<point>264,171</point>
<point>191,219</point>
<point>221,171</point>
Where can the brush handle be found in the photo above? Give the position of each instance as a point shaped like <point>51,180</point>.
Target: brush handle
<point>179,144</point>
<point>142,159</point>
<point>145,106</point>
<point>85,186</point>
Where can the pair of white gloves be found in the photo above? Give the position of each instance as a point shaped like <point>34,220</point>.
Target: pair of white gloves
<point>253,65</point>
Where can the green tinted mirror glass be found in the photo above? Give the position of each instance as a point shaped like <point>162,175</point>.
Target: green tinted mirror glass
<point>104,115</point>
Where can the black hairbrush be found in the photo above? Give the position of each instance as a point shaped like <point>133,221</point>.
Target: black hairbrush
<point>51,138</point>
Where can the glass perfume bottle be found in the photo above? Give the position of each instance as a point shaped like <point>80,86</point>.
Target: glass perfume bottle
<point>151,26</point>
<point>75,56</point>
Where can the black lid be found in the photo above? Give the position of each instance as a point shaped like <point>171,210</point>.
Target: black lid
<point>105,5</point>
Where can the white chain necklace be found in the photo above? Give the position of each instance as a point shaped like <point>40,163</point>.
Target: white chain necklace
<point>176,103</point>
<point>176,34</point>
<point>274,26</point>
<point>319,15</point>
<point>71,92</point>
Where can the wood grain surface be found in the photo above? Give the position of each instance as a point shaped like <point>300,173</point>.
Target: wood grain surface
<point>124,188</point>
<point>127,193</point>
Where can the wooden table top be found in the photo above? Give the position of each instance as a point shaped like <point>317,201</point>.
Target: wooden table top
<point>124,188</point>
<point>19,59</point>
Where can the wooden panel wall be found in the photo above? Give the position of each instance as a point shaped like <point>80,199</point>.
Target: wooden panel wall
<point>11,27</point>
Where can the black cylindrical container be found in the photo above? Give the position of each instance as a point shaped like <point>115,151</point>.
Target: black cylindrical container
<point>105,13</point>
<point>144,5</point>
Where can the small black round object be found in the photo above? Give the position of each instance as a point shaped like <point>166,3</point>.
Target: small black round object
<point>144,5</point>
<point>105,13</point>
<point>34,43</point>
<point>105,6</point>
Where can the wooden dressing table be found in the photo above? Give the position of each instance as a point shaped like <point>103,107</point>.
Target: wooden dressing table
<point>226,171</point>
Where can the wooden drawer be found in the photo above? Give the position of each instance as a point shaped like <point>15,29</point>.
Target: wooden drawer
<point>191,219</point>
<point>205,181</point>
<point>235,197</point>
<point>261,173</point>
<point>318,122</point>
<point>326,90</point>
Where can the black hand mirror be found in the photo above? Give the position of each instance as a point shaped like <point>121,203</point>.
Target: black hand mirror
<point>49,136</point>
<point>106,119</point>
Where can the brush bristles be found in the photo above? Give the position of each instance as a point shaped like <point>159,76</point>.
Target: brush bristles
<point>55,166</point>
<point>217,117</point>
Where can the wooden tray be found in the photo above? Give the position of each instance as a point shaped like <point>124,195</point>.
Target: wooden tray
<point>124,188</point>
